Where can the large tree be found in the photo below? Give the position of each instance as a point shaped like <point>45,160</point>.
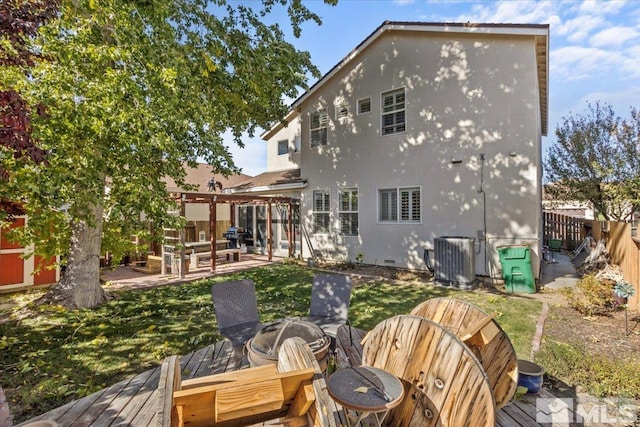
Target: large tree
<point>19,23</point>
<point>134,90</point>
<point>595,159</point>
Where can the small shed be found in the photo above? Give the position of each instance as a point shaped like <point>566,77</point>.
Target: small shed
<point>17,269</point>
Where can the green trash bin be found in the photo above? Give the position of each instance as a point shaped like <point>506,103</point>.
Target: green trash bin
<point>516,269</point>
<point>555,244</point>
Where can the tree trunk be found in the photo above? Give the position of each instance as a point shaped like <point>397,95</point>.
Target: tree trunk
<point>80,285</point>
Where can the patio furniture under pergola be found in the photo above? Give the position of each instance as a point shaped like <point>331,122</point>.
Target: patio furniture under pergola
<point>212,199</point>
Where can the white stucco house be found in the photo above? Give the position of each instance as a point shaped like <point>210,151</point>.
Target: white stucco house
<point>424,130</point>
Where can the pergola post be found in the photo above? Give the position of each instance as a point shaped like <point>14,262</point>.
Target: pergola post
<point>232,217</point>
<point>290,228</point>
<point>214,199</point>
<point>269,244</point>
<point>212,231</point>
<point>181,272</point>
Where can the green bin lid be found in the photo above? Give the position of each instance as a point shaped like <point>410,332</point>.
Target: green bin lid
<point>513,252</point>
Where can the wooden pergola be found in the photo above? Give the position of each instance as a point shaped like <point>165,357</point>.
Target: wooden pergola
<point>214,198</point>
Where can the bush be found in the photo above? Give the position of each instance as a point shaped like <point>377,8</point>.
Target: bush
<point>591,296</point>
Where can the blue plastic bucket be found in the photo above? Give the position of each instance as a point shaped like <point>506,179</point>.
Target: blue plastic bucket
<point>530,375</point>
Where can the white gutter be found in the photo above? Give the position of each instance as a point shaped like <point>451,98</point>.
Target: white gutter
<point>276,187</point>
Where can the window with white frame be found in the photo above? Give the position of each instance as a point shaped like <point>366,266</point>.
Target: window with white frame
<point>348,211</point>
<point>393,112</point>
<point>320,211</point>
<point>410,205</point>
<point>405,201</point>
<point>318,127</point>
<point>283,147</point>
<point>342,111</point>
<point>364,106</point>
<point>388,205</point>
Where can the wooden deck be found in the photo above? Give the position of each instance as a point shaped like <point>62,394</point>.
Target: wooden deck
<point>133,402</point>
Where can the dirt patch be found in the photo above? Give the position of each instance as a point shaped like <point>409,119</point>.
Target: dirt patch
<point>364,272</point>
<point>601,335</point>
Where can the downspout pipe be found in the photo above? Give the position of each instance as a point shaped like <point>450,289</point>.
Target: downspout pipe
<point>484,212</point>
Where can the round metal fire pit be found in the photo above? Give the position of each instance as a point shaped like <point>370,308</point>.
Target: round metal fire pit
<point>263,348</point>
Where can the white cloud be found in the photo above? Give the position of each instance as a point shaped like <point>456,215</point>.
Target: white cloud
<point>578,62</point>
<point>536,12</point>
<point>631,64</point>
<point>598,7</point>
<point>403,2</point>
<point>577,29</point>
<point>620,101</point>
<point>614,37</point>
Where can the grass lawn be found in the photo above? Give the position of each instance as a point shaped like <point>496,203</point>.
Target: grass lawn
<point>56,356</point>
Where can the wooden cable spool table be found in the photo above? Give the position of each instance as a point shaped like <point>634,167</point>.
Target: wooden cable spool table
<point>484,337</point>
<point>365,390</point>
<point>444,382</point>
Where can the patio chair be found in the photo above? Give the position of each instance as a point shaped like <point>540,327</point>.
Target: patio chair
<point>330,296</point>
<point>236,308</point>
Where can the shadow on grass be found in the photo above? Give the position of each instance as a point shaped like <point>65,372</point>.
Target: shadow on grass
<point>57,356</point>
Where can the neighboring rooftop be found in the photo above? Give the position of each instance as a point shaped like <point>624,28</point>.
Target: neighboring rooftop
<point>201,175</point>
<point>269,181</point>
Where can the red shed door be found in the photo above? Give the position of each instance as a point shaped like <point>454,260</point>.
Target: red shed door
<point>45,276</point>
<point>11,265</point>
<point>11,269</point>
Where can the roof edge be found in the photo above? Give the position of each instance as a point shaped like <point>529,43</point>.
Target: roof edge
<point>442,27</point>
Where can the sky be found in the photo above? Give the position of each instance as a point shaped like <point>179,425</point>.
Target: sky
<point>594,48</point>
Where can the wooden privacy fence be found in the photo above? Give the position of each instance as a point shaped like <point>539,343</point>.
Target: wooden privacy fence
<point>624,250</point>
<point>569,230</point>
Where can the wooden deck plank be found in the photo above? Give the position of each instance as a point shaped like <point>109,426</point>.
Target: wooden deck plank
<point>59,412</point>
<point>133,407</point>
<point>78,408</point>
<point>146,416</point>
<point>222,360</point>
<point>504,420</point>
<point>101,405</point>
<point>528,404</point>
<point>134,402</point>
<point>520,416</point>
<point>193,361</point>
<point>206,361</point>
<point>132,391</point>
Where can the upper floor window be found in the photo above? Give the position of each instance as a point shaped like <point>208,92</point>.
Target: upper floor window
<point>318,127</point>
<point>399,205</point>
<point>348,211</point>
<point>283,147</point>
<point>393,112</point>
<point>364,106</point>
<point>342,111</point>
<point>320,211</point>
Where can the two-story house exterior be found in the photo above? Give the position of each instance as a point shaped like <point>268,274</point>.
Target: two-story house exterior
<point>424,130</point>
